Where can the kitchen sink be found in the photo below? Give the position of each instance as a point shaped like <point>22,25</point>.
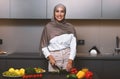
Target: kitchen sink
<point>110,54</point>
<point>107,54</point>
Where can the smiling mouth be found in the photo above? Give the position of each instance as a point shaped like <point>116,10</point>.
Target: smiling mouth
<point>59,17</point>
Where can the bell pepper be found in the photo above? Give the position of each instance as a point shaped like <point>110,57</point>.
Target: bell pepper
<point>88,75</point>
<point>80,74</point>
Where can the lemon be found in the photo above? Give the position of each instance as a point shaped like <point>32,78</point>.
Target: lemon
<point>17,72</point>
<point>22,71</point>
<point>11,70</point>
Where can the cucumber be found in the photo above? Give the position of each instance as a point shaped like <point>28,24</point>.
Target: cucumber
<point>30,70</point>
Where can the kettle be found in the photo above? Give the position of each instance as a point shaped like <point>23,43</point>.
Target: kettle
<point>94,51</point>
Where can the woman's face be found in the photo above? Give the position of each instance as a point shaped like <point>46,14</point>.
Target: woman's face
<point>59,14</point>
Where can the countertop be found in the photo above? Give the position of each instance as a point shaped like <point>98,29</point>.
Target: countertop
<point>103,56</point>
<point>22,55</point>
<point>78,56</point>
<point>49,75</point>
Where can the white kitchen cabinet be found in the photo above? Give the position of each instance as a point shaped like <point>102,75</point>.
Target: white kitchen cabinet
<point>110,9</point>
<point>4,8</point>
<point>77,9</point>
<point>28,9</point>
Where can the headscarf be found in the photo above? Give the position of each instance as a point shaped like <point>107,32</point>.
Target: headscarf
<point>55,28</point>
<point>58,5</point>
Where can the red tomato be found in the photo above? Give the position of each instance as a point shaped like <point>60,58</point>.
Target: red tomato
<point>34,76</point>
<point>24,77</point>
<point>73,71</point>
<point>40,75</point>
<point>37,75</point>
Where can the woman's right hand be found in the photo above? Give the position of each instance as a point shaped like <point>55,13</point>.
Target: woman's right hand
<point>52,60</point>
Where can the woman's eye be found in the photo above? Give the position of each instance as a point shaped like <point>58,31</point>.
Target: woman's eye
<point>62,11</point>
<point>57,10</point>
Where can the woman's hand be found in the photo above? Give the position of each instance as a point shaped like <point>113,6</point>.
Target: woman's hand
<point>69,65</point>
<point>52,60</point>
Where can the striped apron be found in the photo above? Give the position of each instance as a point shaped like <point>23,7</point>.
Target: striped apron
<point>61,57</point>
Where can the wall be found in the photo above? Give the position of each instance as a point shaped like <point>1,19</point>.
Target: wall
<point>100,33</point>
<point>21,35</point>
<point>24,35</point>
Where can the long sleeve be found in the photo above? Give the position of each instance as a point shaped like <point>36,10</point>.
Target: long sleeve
<point>73,48</point>
<point>45,52</point>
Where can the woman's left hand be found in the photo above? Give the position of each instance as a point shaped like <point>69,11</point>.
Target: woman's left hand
<point>69,65</point>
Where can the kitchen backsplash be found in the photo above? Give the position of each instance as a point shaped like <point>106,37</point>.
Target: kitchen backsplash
<point>24,35</point>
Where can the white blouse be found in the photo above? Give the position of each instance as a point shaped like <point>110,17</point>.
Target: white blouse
<point>61,42</point>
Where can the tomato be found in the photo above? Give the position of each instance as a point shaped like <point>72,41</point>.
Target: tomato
<point>40,75</point>
<point>24,77</point>
<point>73,71</point>
<point>34,76</point>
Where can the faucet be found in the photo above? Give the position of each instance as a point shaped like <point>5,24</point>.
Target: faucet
<point>117,49</point>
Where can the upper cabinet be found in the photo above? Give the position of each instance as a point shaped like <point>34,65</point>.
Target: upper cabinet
<point>110,9</point>
<point>4,8</point>
<point>28,9</point>
<point>77,9</point>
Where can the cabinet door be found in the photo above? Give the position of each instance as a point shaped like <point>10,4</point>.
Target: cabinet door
<point>96,66</point>
<point>2,65</point>
<point>27,62</point>
<point>111,9</point>
<point>28,9</point>
<point>77,9</point>
<point>111,69</point>
<point>4,8</point>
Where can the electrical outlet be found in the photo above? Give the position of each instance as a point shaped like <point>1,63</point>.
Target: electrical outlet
<point>1,41</point>
<point>80,42</point>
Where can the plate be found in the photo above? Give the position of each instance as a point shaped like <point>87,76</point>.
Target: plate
<point>4,75</point>
<point>40,72</point>
<point>12,76</point>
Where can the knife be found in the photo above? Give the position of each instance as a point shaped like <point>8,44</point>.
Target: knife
<point>55,66</point>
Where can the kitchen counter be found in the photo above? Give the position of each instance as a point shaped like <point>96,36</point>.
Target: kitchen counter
<point>79,56</point>
<point>22,55</point>
<point>98,57</point>
<point>105,66</point>
<point>50,75</point>
<point>22,60</point>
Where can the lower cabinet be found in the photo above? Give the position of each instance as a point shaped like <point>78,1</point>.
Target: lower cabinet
<point>111,69</point>
<point>2,66</point>
<point>103,68</point>
<point>26,62</point>
<point>95,66</point>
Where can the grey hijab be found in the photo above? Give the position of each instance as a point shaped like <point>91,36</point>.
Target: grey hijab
<point>55,28</point>
<point>58,5</point>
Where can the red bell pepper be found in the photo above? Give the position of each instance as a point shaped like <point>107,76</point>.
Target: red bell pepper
<point>88,75</point>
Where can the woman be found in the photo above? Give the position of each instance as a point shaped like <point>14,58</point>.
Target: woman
<point>58,41</point>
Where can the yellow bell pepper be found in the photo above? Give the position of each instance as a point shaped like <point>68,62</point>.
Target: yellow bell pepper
<point>80,74</point>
